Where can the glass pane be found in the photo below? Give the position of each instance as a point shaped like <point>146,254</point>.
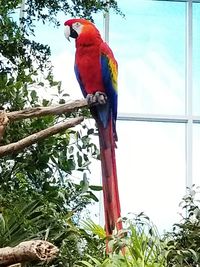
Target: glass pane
<point>196,154</point>
<point>151,173</point>
<point>196,58</point>
<point>149,45</point>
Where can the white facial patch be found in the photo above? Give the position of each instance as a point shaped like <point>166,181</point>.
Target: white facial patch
<point>77,26</point>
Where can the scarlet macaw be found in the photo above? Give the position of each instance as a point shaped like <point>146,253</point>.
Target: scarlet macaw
<point>96,71</point>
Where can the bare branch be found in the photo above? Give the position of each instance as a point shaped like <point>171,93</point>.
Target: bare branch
<point>3,123</point>
<point>44,111</point>
<point>28,251</point>
<point>33,138</point>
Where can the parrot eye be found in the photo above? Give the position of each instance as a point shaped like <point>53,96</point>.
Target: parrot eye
<point>76,25</point>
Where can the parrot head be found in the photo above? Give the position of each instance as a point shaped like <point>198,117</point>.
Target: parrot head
<point>79,27</point>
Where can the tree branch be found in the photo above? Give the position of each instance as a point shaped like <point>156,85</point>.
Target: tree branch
<point>44,111</point>
<point>33,138</point>
<point>3,123</point>
<point>28,251</point>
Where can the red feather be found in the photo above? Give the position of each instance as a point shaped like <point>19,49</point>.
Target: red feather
<point>109,179</point>
<point>88,62</point>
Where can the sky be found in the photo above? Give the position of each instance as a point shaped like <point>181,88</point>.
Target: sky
<point>149,45</point>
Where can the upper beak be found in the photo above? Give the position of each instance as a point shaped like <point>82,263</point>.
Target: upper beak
<point>67,32</point>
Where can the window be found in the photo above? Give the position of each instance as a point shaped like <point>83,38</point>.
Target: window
<point>150,157</point>
<point>157,47</point>
<point>151,56</point>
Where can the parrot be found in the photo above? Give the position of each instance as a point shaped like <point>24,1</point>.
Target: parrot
<point>96,71</point>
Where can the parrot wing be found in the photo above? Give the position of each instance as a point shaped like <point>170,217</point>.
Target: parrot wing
<point>78,77</point>
<point>109,70</point>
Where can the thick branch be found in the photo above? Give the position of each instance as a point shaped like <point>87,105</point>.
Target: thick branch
<point>31,139</point>
<point>43,111</point>
<point>3,123</point>
<point>28,251</point>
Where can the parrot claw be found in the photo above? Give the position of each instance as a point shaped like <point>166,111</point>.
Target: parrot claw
<point>101,98</point>
<point>98,97</point>
<point>91,99</point>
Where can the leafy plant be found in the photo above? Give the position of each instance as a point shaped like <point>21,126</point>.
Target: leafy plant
<point>114,261</point>
<point>143,245</point>
<point>138,245</point>
<point>94,228</point>
<point>46,217</point>
<point>183,242</point>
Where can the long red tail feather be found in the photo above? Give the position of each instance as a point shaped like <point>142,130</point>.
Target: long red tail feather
<point>109,179</point>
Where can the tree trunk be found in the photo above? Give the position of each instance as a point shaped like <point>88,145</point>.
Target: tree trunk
<point>28,251</point>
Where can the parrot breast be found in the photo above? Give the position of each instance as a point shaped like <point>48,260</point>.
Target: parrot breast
<point>88,62</point>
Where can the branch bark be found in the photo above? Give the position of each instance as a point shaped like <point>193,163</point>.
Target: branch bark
<point>33,138</point>
<point>44,111</point>
<point>38,112</point>
<point>28,251</point>
<point>3,123</point>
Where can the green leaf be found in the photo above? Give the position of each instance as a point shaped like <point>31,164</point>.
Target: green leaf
<point>84,184</point>
<point>96,229</point>
<point>79,159</point>
<point>92,196</point>
<point>90,131</point>
<point>96,187</point>
<point>85,263</point>
<point>2,224</point>
<point>33,95</point>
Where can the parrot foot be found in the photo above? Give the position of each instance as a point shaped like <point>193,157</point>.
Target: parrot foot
<point>101,98</point>
<point>98,97</point>
<point>91,99</point>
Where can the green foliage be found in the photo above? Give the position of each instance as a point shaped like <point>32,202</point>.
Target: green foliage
<point>51,214</point>
<point>95,238</point>
<point>94,228</point>
<point>140,245</point>
<point>48,10</point>
<point>97,263</point>
<point>183,242</point>
<point>137,245</point>
<point>17,223</point>
<point>41,219</point>
<point>39,197</point>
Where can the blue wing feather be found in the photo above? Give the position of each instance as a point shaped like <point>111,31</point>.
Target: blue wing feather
<point>109,86</point>
<point>78,77</point>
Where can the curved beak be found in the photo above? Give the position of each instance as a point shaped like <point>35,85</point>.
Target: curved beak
<point>67,32</point>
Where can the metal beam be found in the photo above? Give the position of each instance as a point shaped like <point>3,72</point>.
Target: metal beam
<point>106,25</point>
<point>152,118</point>
<point>194,1</point>
<point>156,118</point>
<point>189,97</point>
